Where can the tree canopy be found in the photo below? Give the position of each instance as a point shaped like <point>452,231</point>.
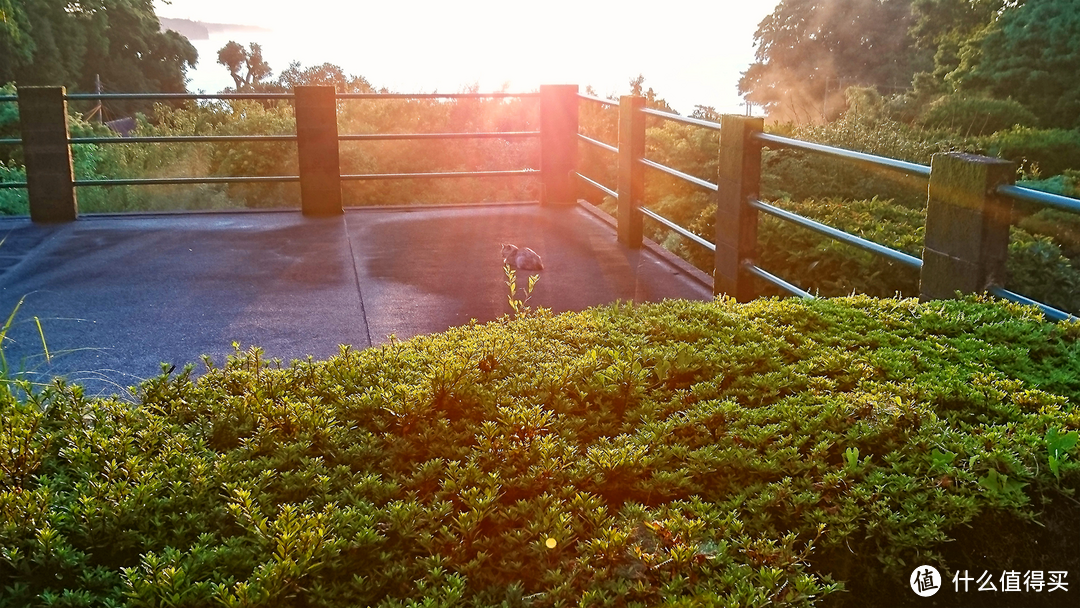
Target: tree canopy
<point>69,43</point>
<point>1030,54</point>
<point>809,50</point>
<point>246,65</point>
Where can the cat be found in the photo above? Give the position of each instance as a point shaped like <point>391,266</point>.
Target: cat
<point>521,259</point>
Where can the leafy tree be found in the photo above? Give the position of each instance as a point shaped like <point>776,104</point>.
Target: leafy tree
<point>246,66</point>
<point>67,42</point>
<point>325,74</point>
<point>1031,54</point>
<point>944,27</point>
<point>808,51</point>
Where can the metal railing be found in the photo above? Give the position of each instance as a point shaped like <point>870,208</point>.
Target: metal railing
<point>280,138</point>
<point>754,204</point>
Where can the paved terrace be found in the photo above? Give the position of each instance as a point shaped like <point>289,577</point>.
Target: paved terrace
<point>119,295</point>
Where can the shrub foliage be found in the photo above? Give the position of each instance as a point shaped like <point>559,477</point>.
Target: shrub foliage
<point>683,454</point>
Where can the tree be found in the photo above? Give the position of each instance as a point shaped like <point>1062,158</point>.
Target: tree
<point>325,74</point>
<point>1030,54</point>
<point>808,51</point>
<point>246,66</point>
<point>70,43</point>
<point>944,27</point>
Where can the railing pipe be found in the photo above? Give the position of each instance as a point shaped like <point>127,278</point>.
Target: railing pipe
<point>601,187</point>
<point>708,124</point>
<point>881,161</point>
<point>599,100</point>
<point>597,143</point>
<point>676,228</point>
<point>446,174</point>
<point>408,136</point>
<point>839,235</point>
<point>175,96</point>
<point>437,95</point>
<point>679,174</point>
<point>181,139</point>
<point>1036,196</point>
<point>775,280</point>
<point>175,181</point>
<point>1049,311</point>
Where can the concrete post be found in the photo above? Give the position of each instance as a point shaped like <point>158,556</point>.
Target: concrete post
<point>558,143</point>
<point>317,146</point>
<point>631,172</point>
<point>739,177</point>
<point>49,173</point>
<point>967,225</point>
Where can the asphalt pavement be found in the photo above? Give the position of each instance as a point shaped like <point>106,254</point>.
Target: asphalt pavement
<point>117,296</point>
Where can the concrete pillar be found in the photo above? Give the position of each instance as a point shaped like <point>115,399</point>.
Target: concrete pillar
<point>317,146</point>
<point>967,225</point>
<point>558,143</point>
<point>49,173</point>
<point>631,172</point>
<point>739,177</point>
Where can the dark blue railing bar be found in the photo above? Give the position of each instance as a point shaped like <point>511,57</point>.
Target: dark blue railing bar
<point>175,96</point>
<point>174,181</point>
<point>10,142</point>
<point>679,174</point>
<point>881,161</point>
<point>597,143</point>
<point>1037,196</point>
<point>379,176</point>
<point>12,185</point>
<point>684,119</point>
<point>775,280</point>
<point>1049,311</point>
<point>600,100</point>
<point>435,95</point>
<point>9,98</point>
<point>677,228</point>
<point>599,186</point>
<point>165,139</point>
<point>839,235</point>
<point>400,136</point>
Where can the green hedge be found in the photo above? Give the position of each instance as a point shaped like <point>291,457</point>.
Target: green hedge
<point>684,454</point>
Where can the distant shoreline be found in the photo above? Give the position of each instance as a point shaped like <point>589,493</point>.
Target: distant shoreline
<point>201,30</point>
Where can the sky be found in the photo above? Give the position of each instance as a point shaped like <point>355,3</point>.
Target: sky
<point>690,52</point>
